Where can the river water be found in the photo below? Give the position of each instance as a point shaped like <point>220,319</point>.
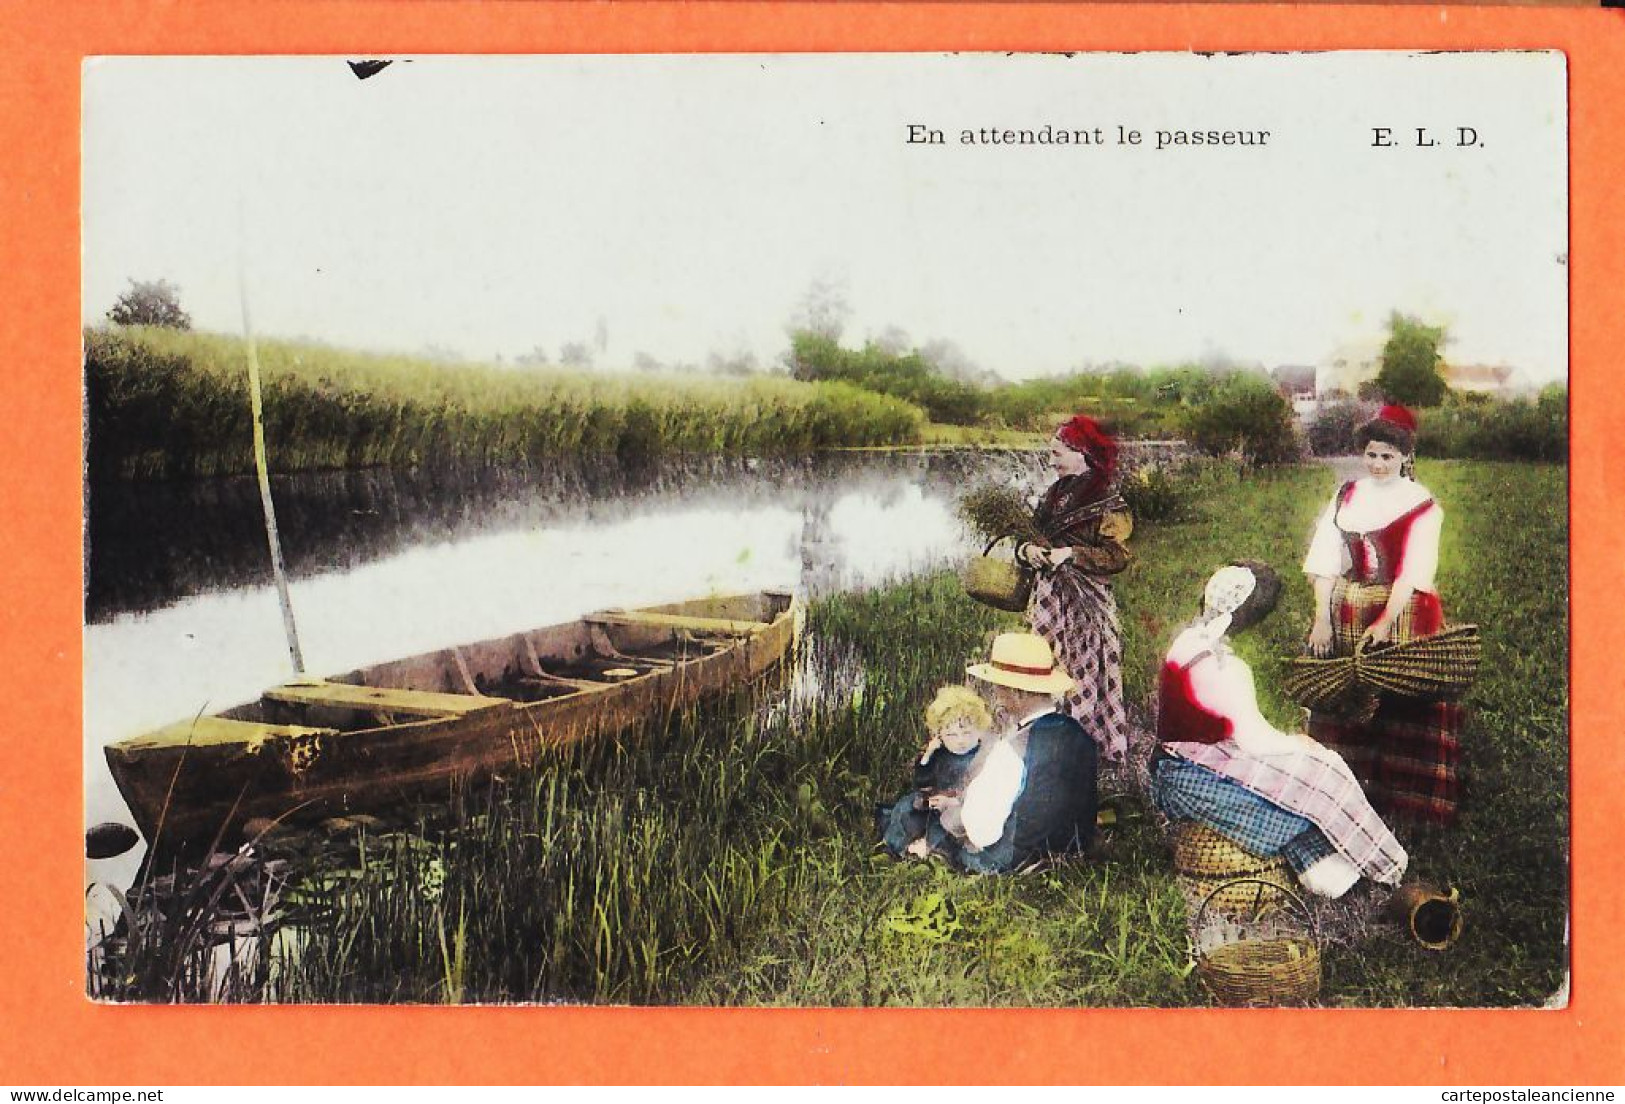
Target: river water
<point>181,616</point>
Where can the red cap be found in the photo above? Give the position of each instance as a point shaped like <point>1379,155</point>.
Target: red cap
<point>1399,416</point>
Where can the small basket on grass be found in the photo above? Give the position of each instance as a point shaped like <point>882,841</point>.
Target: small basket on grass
<point>1261,961</point>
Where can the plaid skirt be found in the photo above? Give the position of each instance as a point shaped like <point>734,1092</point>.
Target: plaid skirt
<point>1077,614</point>
<point>1408,756</point>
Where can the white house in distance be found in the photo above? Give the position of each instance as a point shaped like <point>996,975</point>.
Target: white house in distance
<point>1296,383</point>
<point>1355,362</point>
<point>1352,363</point>
<point>1496,380</point>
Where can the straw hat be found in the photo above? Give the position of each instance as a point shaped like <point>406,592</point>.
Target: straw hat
<point>1023,661</point>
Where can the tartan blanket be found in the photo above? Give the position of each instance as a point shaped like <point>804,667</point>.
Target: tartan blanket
<point>1316,784</point>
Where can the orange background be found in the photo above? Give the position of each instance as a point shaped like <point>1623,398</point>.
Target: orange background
<point>53,1036</point>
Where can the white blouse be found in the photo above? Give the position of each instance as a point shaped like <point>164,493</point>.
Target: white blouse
<point>1373,506</point>
<point>1223,685</point>
<point>991,795</point>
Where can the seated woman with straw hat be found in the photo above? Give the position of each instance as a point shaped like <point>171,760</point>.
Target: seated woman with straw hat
<point>1031,793</point>
<point>1221,763</point>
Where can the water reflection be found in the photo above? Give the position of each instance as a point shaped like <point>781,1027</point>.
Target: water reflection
<point>150,544</point>
<point>182,618</point>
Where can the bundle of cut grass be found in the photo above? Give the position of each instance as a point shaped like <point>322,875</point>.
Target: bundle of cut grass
<point>998,511</point>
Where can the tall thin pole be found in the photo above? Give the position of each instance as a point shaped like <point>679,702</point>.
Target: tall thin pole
<point>265,483</point>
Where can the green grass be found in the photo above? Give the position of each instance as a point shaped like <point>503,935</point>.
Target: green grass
<point>936,433</point>
<point>173,404</point>
<point>729,857</point>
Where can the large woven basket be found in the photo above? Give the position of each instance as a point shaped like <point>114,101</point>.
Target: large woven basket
<point>998,582</point>
<point>1440,667</point>
<point>1259,964</point>
<point>1218,870</point>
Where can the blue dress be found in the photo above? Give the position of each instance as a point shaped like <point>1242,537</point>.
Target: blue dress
<point>908,818</point>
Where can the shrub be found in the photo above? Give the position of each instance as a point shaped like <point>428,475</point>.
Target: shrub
<point>1468,427</point>
<point>815,357</point>
<point>1245,414</point>
<point>1331,430</point>
<point>1155,493</point>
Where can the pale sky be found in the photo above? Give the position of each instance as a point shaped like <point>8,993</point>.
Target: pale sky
<point>680,205</point>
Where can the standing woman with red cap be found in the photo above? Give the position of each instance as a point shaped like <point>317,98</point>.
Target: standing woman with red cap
<point>1083,525</point>
<point>1372,561</point>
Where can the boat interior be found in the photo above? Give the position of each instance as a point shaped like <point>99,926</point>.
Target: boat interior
<point>597,653</point>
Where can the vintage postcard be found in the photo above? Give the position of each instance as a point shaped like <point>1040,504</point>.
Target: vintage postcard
<point>1060,530</point>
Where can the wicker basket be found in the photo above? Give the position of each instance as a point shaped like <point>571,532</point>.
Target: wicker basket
<point>1440,667</point>
<point>1216,869</point>
<point>1261,962</point>
<point>998,582</point>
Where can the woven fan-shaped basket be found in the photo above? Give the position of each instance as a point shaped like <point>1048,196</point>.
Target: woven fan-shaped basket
<point>1219,871</point>
<point>1440,667</point>
<point>1270,965</point>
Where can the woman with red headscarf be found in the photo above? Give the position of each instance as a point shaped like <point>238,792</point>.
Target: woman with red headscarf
<point>1372,560</point>
<point>1083,525</point>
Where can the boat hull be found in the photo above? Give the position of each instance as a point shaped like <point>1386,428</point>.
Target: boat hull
<point>194,786</point>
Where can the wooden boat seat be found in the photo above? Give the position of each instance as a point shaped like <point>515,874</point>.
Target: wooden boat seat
<point>215,731</point>
<point>420,703</point>
<point>676,621</point>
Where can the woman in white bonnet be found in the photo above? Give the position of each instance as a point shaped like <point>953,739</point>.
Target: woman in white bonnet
<point>1222,763</point>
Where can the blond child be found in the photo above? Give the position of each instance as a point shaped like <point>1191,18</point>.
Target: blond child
<point>958,723</point>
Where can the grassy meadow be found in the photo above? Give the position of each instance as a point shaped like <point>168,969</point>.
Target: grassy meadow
<point>164,403</point>
<point>730,857</point>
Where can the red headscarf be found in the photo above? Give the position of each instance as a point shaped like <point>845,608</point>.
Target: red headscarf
<point>1083,434</point>
<point>1070,493</point>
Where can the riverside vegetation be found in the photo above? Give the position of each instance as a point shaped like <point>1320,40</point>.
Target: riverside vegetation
<point>729,857</point>
<point>165,403</point>
<point>168,403</point>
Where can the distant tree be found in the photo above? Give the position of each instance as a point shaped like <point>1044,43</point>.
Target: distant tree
<point>575,354</point>
<point>646,362</point>
<point>740,362</point>
<point>1410,362</point>
<point>907,376</point>
<point>893,340</point>
<point>440,354</point>
<point>823,310</point>
<point>150,303</point>
<point>533,359</point>
<point>952,361</point>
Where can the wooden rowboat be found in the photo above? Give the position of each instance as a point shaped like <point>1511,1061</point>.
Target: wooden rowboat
<point>404,730</point>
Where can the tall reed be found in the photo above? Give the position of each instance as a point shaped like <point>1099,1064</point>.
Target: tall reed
<point>170,404</point>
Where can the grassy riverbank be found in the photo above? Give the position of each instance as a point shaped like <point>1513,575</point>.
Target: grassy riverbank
<point>730,858</point>
<point>172,404</point>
